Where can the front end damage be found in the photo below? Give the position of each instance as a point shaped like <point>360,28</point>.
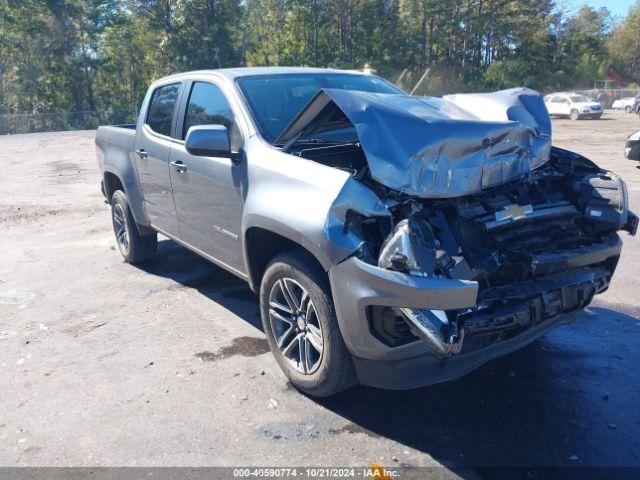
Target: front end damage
<point>537,248</point>
<point>501,239</point>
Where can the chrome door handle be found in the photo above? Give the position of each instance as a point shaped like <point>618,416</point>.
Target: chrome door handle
<point>142,153</point>
<point>179,166</point>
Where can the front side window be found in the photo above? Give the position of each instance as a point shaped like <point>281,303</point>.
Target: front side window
<point>161,108</point>
<point>208,106</point>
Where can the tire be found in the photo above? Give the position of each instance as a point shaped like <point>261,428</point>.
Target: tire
<point>628,109</point>
<point>133,246</point>
<point>574,115</point>
<point>325,372</point>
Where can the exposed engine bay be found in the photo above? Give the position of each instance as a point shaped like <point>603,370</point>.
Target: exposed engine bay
<point>540,244</point>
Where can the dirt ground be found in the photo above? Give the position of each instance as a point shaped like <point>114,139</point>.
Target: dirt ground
<point>107,364</point>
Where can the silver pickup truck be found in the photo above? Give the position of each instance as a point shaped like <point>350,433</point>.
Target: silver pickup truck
<point>395,241</point>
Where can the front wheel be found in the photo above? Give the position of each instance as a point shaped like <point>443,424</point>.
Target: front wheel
<point>575,115</point>
<point>628,109</point>
<point>133,246</point>
<point>300,323</point>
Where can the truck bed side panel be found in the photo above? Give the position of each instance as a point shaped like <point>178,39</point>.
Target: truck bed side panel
<point>117,146</point>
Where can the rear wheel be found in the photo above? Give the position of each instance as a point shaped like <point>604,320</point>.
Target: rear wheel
<point>575,115</point>
<point>300,323</point>
<point>133,246</point>
<point>628,109</point>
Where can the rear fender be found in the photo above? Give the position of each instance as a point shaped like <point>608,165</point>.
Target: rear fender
<point>121,165</point>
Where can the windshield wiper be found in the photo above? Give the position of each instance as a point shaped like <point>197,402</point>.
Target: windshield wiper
<point>307,141</point>
<point>316,140</point>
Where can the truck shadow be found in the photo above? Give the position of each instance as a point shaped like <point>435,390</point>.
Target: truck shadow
<point>565,400</point>
<point>191,271</point>
<point>569,399</point>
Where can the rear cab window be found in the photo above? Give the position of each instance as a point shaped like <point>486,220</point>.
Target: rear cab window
<point>161,108</point>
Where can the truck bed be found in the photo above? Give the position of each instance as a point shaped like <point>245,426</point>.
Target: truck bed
<point>115,141</point>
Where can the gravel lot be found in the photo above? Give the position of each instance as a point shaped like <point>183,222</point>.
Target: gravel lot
<point>107,364</point>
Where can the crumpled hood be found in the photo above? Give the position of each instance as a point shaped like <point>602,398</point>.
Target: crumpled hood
<point>437,147</point>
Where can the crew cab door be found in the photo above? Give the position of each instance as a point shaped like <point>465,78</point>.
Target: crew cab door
<point>207,191</point>
<point>152,149</point>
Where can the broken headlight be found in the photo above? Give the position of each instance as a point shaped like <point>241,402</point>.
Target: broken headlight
<point>413,248</point>
<point>409,248</point>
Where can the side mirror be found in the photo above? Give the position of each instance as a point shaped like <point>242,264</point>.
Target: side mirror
<point>208,141</point>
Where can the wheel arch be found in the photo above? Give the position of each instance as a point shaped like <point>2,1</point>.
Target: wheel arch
<point>112,182</point>
<point>261,245</point>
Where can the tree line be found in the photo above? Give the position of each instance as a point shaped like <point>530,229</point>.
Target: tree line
<point>101,55</point>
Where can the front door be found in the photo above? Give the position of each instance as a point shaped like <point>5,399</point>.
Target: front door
<point>208,190</point>
<point>152,149</point>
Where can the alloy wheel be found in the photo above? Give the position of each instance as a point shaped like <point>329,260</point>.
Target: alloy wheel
<point>295,325</point>
<point>120,228</point>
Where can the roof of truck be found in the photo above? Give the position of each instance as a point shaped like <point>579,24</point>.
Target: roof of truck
<point>233,73</point>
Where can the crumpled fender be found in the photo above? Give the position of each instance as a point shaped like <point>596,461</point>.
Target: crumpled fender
<point>356,197</point>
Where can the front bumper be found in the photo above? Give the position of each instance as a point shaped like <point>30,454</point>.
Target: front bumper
<point>530,309</point>
<point>426,370</point>
<point>356,285</point>
<point>592,115</point>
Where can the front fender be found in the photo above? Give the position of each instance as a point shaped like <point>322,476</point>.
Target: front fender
<point>308,207</point>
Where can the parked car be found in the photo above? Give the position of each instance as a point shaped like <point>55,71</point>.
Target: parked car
<point>632,148</point>
<point>394,241</point>
<point>628,104</point>
<point>572,105</point>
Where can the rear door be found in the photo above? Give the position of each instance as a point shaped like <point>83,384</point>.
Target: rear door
<point>152,148</point>
<point>208,190</point>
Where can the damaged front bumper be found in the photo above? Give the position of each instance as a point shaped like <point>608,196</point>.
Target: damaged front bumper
<point>396,327</point>
<point>421,370</point>
<point>360,290</point>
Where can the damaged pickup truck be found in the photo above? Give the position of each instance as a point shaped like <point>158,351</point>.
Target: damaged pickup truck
<point>395,241</point>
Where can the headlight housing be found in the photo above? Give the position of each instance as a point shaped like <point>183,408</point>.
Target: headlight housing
<point>409,248</point>
<point>413,248</point>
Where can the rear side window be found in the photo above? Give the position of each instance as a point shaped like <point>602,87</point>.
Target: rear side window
<point>208,106</point>
<point>161,108</point>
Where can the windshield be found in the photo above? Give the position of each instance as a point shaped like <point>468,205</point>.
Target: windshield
<point>275,100</point>
<point>579,99</point>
